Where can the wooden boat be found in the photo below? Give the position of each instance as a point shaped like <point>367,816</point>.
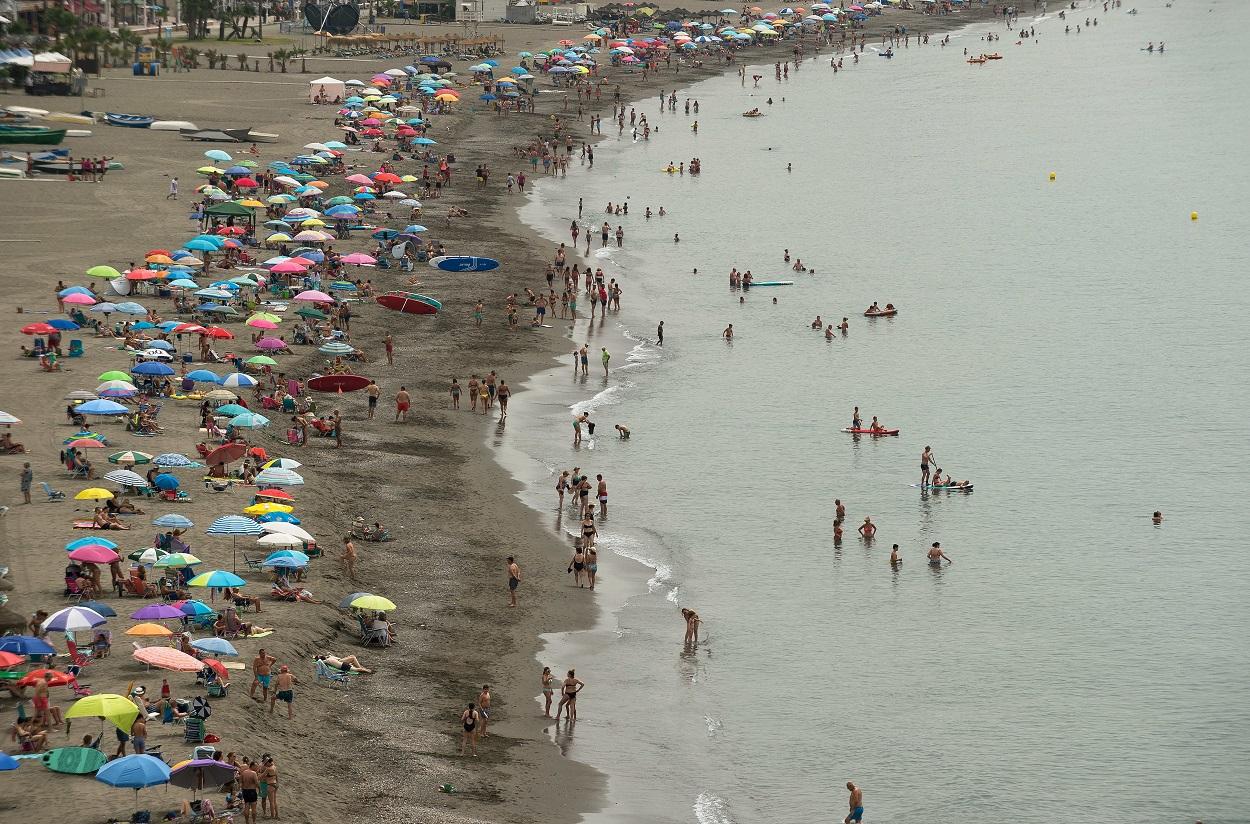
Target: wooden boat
<point>31,135</point>
<point>994,56</point>
<point>133,121</point>
<point>66,117</point>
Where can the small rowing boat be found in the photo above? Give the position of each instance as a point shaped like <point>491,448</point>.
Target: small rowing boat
<point>131,121</point>
<point>30,135</point>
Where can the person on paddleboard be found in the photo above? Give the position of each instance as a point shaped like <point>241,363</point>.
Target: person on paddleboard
<point>856,421</point>
<point>876,425</point>
<point>926,458</point>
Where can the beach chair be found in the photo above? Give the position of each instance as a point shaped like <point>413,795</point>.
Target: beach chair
<point>75,348</point>
<point>324,673</point>
<point>193,731</point>
<point>53,494</point>
<point>252,563</point>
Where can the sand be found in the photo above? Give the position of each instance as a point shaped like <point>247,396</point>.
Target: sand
<point>380,750</point>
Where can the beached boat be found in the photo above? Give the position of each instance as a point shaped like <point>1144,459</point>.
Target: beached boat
<point>262,137</point>
<point>133,121</point>
<point>66,167</point>
<point>208,135</point>
<point>173,126</point>
<point>66,117</point>
<point>27,111</point>
<point>30,135</point>
<point>12,174</point>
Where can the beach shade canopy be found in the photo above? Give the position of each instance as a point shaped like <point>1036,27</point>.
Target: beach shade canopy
<point>103,407</point>
<point>156,612</point>
<point>94,493</point>
<point>73,619</point>
<point>134,772</point>
<point>177,560</point>
<point>117,710</point>
<point>373,602</point>
<point>167,658</point>
<point>217,646</point>
<point>173,522</point>
<point>279,477</point>
<point>216,579</point>
<point>149,631</point>
<point>25,645</point>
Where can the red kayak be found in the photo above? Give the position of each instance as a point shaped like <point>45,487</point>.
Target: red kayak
<point>870,431</point>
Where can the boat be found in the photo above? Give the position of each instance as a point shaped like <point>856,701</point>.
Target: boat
<point>27,111</point>
<point>173,126</point>
<point>31,135</point>
<point>885,54</point>
<point>133,121</point>
<point>78,133</point>
<point>20,157</point>
<point>994,56</point>
<point>66,117</point>
<point>875,433</point>
<point>208,135</point>
<point>66,167</point>
<point>12,174</point>
<point>753,113</point>
<point>978,60</point>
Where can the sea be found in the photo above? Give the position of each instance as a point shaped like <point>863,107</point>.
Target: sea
<point>1076,347</point>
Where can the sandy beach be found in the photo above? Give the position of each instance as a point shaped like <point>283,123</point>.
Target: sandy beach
<point>380,750</point>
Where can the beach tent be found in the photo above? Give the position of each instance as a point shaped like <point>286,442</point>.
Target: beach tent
<point>229,209</point>
<point>52,63</point>
<point>333,90</point>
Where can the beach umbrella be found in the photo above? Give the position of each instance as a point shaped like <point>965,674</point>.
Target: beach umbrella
<point>281,463</point>
<point>102,407</point>
<point>279,477</point>
<point>116,389</point>
<point>285,528</point>
<point>217,646</point>
<point>173,522</point>
<point>194,608</point>
<point>166,482</point>
<point>231,409</point>
<point>94,554</point>
<point>117,710</point>
<point>63,324</point>
<point>151,368</point>
<point>277,518</point>
<point>217,579</point>
<point>134,771</point>
<point>238,380</point>
<point>313,296</point>
<point>177,560</point>
<point>94,493</point>
<point>73,619</point>
<point>156,612</point>
<point>130,458</point>
<point>91,541</point>
<point>226,453</point>
<point>8,660</point>
<point>9,419</point>
<point>173,460</point>
<point>375,603</point>
<point>167,658</point>
<point>273,493</point>
<point>279,539</point>
<point>249,420</point>
<point>95,606</point>
<point>261,360</point>
<point>126,478</point>
<point>335,348</point>
<point>234,526</point>
<point>87,443</point>
<point>149,631</point>
<point>266,508</point>
<point>79,299</point>
<point>289,554</point>
<point>147,557</point>
<point>25,645</point>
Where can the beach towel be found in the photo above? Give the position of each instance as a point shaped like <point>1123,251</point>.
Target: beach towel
<point>264,634</point>
<point>85,525</point>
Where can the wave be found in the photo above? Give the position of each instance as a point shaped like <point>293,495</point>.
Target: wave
<point>627,546</point>
<point>608,397</point>
<point>712,809</point>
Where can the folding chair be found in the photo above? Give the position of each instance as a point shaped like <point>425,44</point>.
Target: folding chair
<point>53,494</point>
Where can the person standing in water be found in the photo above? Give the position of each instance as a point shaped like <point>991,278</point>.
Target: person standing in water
<point>548,684</point>
<point>728,334</point>
<point>568,695</point>
<point>659,334</point>
<point>867,529</point>
<point>936,555</point>
<point>926,458</point>
<point>855,802</point>
<point>692,626</point>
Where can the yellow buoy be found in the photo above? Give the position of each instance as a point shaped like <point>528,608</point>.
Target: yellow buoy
<point>1193,215</point>
<point>1052,175</point>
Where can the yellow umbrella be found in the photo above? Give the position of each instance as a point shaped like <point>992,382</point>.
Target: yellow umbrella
<point>373,602</point>
<point>117,710</point>
<point>165,259</point>
<point>250,203</point>
<point>446,98</point>
<point>312,223</point>
<point>95,493</point>
<point>266,508</point>
<point>149,629</point>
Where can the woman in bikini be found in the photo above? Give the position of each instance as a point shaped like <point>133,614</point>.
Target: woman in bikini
<point>568,696</point>
<point>592,565</point>
<point>588,530</point>
<point>562,484</point>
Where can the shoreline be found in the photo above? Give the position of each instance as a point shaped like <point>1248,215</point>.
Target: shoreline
<point>412,717</point>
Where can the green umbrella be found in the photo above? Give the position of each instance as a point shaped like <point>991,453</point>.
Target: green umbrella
<point>114,375</point>
<point>261,360</point>
<point>311,313</point>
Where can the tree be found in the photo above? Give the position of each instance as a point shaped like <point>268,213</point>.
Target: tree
<point>196,13</point>
<point>211,55</point>
<point>282,56</point>
<point>61,22</point>
<point>90,41</point>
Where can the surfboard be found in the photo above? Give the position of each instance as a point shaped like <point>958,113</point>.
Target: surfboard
<point>336,383</point>
<point>772,283</point>
<point>409,302</point>
<point>74,760</point>
<point>870,432</point>
<point>464,263</point>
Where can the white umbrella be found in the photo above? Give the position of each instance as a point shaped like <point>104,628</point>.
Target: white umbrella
<point>279,477</point>
<point>126,478</point>
<point>279,539</point>
<point>287,529</point>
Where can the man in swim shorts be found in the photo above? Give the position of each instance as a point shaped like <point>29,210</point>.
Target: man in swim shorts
<point>284,690</point>
<point>249,790</point>
<point>260,675</point>
<point>402,402</point>
<point>514,580</point>
<point>856,804</point>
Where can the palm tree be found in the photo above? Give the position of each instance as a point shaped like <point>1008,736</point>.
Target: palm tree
<point>211,56</point>
<point>61,21</point>
<point>91,40</point>
<point>283,57</point>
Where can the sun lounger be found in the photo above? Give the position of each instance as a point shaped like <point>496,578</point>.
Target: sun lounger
<point>333,676</point>
<point>53,494</point>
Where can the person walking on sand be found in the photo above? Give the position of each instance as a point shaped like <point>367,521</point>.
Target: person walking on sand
<point>349,557</point>
<point>502,394</point>
<point>284,690</point>
<point>389,344</point>
<point>468,720</point>
<point>569,689</point>
<point>402,401</point>
<point>855,803</point>
<point>27,478</point>
<point>549,687</point>
<point>173,189</point>
<point>514,580</point>
<point>375,392</point>
<point>483,707</point>
<point>261,668</point>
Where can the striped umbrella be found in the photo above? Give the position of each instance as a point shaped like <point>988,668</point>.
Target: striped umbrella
<point>126,478</point>
<point>279,477</point>
<point>238,379</point>
<point>72,619</point>
<point>282,463</point>
<point>234,526</point>
<point>167,658</point>
<point>130,458</point>
<point>173,522</point>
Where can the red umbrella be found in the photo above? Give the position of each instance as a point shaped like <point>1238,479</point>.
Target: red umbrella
<point>387,177</point>
<point>235,230</point>
<point>226,454</point>
<point>143,274</point>
<point>8,659</point>
<point>218,667</point>
<point>275,494</point>
<point>152,252</point>
<point>38,329</point>
<point>188,327</point>
<point>246,183</point>
<point>372,133</point>
<point>218,332</point>
<point>58,679</point>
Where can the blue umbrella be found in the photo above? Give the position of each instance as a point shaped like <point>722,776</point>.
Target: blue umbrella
<point>232,409</point>
<point>8,762</point>
<point>278,518</point>
<point>203,376</point>
<point>103,407</point>
<point>234,525</point>
<point>72,619</point>
<point>99,608</point>
<point>131,308</point>
<point>424,141</point>
<point>249,420</point>
<point>238,380</point>
<point>385,234</point>
<point>173,459</point>
<point>63,324</point>
<point>165,481</point>
<point>143,324</point>
<point>201,246</point>
<point>196,608</point>
<point>173,521</point>
<point>217,579</point>
<point>217,646</point>
<point>25,645</point>
<point>163,345</point>
<point>72,545</point>
<point>286,563</point>
<point>71,290</point>
<point>149,368</point>
<point>134,772</point>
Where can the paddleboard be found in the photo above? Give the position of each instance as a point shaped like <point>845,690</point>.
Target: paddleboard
<point>336,383</point>
<point>772,283</point>
<point>882,314</point>
<point>941,487</point>
<point>409,302</point>
<point>870,432</point>
<point>462,263</point>
<point>74,760</point>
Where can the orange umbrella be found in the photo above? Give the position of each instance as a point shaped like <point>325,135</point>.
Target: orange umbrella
<point>149,629</point>
<point>168,658</point>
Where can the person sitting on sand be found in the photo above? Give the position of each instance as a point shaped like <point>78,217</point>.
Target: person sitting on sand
<point>102,520</point>
<point>122,508</point>
<point>349,663</point>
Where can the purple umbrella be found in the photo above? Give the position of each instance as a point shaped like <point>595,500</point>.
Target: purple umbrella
<point>270,343</point>
<point>157,612</point>
<point>201,773</point>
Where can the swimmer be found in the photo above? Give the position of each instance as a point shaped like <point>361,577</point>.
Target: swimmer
<point>867,529</point>
<point>844,326</point>
<point>676,238</point>
<point>895,558</point>
<point>774,301</point>
<point>936,555</point>
<point>829,332</point>
<point>1157,517</point>
<point>728,334</point>
<point>816,324</point>
<point>623,431</point>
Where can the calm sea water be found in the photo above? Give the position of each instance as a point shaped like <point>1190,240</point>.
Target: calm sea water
<point>1075,348</point>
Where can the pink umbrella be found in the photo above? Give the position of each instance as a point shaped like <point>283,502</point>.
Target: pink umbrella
<point>359,178</point>
<point>371,121</point>
<point>262,323</point>
<point>314,296</point>
<point>94,554</point>
<point>289,266</point>
<point>270,343</point>
<point>168,658</point>
<point>79,298</point>
<point>358,259</point>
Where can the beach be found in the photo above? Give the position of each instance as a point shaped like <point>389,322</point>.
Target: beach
<point>391,739</point>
